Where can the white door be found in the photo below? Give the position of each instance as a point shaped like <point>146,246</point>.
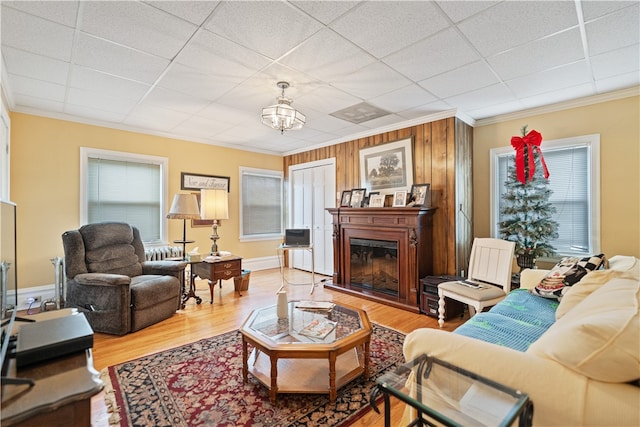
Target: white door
<point>313,189</point>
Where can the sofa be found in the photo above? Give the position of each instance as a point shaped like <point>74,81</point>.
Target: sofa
<point>578,358</point>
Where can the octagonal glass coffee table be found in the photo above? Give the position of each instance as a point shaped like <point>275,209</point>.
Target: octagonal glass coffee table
<point>317,348</point>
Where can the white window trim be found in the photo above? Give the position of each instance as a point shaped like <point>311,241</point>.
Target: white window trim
<point>264,172</point>
<point>86,153</point>
<point>593,143</point>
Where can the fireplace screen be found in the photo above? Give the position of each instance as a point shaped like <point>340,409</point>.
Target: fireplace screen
<point>374,265</point>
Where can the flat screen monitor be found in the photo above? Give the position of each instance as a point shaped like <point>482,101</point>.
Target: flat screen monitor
<point>297,237</point>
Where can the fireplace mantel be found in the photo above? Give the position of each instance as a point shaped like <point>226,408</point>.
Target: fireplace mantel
<point>410,229</point>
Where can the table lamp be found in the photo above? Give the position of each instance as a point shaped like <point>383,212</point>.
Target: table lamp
<point>214,205</point>
<point>184,207</point>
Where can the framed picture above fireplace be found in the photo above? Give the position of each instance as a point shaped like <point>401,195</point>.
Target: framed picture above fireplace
<point>387,167</point>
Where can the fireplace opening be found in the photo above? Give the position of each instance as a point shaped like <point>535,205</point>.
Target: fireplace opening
<point>374,265</point>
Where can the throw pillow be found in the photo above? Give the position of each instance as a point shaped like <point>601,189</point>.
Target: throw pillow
<point>566,273</point>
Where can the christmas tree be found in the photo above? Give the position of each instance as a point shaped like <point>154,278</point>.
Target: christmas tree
<point>527,212</point>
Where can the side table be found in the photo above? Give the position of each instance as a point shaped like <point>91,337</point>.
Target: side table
<point>449,395</point>
<point>217,270</point>
<point>282,248</point>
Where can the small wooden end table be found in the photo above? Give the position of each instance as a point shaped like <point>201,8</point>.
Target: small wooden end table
<point>217,270</point>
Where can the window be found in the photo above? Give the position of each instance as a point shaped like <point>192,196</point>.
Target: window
<point>575,180</point>
<point>125,187</point>
<point>261,204</point>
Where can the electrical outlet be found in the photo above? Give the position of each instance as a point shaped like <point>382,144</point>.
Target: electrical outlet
<point>33,300</point>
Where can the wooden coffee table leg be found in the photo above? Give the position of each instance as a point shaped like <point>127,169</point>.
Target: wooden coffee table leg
<point>245,361</point>
<point>274,378</point>
<point>366,359</point>
<point>332,377</point>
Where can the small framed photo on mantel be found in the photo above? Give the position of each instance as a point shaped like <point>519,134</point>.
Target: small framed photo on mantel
<point>420,194</point>
<point>400,199</point>
<point>357,197</point>
<point>376,200</point>
<point>345,200</point>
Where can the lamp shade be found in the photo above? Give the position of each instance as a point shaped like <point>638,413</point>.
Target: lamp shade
<point>184,206</point>
<point>214,204</point>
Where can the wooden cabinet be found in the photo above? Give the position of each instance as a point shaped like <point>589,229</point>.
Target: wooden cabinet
<point>401,238</point>
<point>226,267</point>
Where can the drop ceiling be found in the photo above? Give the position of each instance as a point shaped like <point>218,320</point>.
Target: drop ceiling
<point>202,71</point>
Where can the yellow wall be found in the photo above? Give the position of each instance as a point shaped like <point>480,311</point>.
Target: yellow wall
<point>45,170</point>
<point>618,123</point>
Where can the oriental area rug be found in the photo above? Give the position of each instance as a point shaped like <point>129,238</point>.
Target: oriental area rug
<point>200,384</point>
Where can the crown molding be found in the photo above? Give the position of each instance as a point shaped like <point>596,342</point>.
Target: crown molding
<point>565,105</point>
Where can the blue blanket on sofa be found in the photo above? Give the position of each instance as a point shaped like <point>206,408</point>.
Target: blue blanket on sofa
<point>515,322</point>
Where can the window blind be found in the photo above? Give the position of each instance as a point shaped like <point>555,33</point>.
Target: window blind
<point>125,191</point>
<point>261,204</point>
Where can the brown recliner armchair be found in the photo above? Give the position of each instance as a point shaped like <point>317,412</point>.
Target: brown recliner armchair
<point>109,280</point>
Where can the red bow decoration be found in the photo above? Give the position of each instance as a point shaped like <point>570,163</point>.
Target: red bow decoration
<point>531,142</point>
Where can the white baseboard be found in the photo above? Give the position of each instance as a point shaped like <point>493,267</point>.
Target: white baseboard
<point>45,292</point>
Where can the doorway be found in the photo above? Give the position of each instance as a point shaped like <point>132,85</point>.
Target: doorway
<point>312,189</point>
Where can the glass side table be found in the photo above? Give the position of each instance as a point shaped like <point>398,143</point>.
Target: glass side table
<point>444,394</point>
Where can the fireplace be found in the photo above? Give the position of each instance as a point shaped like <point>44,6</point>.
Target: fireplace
<point>381,253</point>
<point>374,265</point>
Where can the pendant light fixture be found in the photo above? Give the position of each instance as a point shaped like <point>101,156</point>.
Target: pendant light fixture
<point>283,116</point>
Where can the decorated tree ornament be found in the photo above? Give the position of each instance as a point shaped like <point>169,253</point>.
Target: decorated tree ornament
<point>525,146</point>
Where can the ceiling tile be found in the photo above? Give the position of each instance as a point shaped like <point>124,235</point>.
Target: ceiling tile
<point>460,10</point>
<point>214,54</point>
<point>487,96</point>
<point>621,81</point>
<point>137,25</point>
<point>177,101</point>
<point>555,96</point>
<point>35,35</point>
<point>620,61</point>
<point>193,11</point>
<point>371,81</point>
<point>596,9</point>
<point>404,24</point>
<point>542,54</point>
<point>403,99</point>
<point>613,31</point>
<point>88,79</point>
<point>325,11</point>
<point>41,104</point>
<point>37,88</point>
<point>427,58</point>
<point>35,66</point>
<point>551,80</point>
<point>327,99</point>
<point>100,101</point>
<point>497,109</point>
<point>270,28</point>
<point>61,12</point>
<point>197,83</point>
<point>327,56</point>
<point>87,112</point>
<point>501,27</point>
<point>119,60</point>
<point>152,117</point>
<point>464,79</point>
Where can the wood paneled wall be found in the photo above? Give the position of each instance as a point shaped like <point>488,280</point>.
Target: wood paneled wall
<point>442,153</point>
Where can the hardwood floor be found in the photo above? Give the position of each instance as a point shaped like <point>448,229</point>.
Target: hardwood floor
<point>229,311</point>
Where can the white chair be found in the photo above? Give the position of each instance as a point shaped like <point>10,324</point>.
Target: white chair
<point>489,279</point>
